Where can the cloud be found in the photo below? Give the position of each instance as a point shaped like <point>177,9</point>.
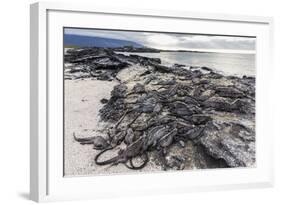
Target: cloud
<point>173,41</point>
<point>158,40</point>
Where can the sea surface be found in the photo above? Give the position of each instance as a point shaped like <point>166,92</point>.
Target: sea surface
<point>226,63</point>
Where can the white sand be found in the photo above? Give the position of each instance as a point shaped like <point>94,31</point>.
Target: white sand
<point>82,104</point>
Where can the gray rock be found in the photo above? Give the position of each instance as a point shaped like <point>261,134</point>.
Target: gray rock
<point>176,162</point>
<point>119,91</point>
<point>138,88</point>
<point>222,142</point>
<point>229,92</point>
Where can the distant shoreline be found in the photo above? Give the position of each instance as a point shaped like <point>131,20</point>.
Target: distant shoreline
<point>153,50</point>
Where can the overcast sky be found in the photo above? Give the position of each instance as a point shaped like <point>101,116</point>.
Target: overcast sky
<point>174,41</point>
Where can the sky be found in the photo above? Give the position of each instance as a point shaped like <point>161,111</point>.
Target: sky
<point>173,41</point>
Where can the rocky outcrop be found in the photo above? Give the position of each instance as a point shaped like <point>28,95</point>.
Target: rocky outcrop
<point>178,117</point>
<point>231,141</point>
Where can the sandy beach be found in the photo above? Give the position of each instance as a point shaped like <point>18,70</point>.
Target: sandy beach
<point>82,104</point>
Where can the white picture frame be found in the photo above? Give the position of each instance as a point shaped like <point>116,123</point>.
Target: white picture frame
<point>46,178</point>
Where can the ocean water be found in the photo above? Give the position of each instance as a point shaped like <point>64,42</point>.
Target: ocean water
<point>226,63</point>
